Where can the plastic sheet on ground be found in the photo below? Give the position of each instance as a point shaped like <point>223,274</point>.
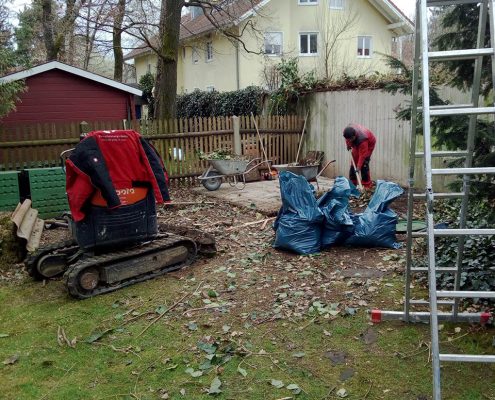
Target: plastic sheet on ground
<point>299,221</point>
<point>375,227</point>
<point>334,205</point>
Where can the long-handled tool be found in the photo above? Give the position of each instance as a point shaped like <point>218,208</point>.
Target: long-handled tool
<point>324,168</point>
<point>358,175</point>
<point>302,137</point>
<point>261,143</point>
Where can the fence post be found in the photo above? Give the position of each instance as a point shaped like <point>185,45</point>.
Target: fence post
<point>83,129</point>
<point>237,135</point>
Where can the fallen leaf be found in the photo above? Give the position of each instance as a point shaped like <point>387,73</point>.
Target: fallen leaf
<point>160,310</point>
<point>300,354</point>
<point>336,357</point>
<point>98,335</point>
<point>278,384</point>
<point>342,393</point>
<point>215,386</point>
<point>11,360</point>
<point>182,392</point>
<point>370,336</point>
<point>294,388</point>
<point>192,326</point>
<point>2,335</point>
<point>346,374</point>
<point>193,373</point>
<point>242,371</point>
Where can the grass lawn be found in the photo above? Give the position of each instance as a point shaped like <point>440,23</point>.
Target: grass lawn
<point>251,323</point>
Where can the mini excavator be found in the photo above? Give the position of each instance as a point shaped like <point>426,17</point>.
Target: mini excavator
<point>114,180</point>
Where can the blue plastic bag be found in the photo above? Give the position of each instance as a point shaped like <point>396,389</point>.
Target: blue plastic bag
<point>375,227</point>
<point>298,224</point>
<point>334,205</point>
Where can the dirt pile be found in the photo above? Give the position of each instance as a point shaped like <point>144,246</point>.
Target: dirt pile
<point>10,249</point>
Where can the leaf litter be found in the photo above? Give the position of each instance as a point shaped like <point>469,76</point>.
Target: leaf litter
<point>251,281</point>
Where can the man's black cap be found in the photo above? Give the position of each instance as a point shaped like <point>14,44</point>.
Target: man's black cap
<point>349,132</point>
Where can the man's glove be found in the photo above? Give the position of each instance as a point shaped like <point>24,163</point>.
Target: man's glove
<point>349,148</point>
<point>356,171</point>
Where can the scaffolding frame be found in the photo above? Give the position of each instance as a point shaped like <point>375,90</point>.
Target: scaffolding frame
<point>422,59</point>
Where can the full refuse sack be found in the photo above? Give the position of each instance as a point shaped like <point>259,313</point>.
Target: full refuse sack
<point>375,227</point>
<point>299,221</point>
<point>334,204</point>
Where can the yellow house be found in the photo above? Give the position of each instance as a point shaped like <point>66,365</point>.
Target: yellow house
<point>330,37</point>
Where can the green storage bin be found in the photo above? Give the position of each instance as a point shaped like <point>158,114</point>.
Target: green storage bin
<point>9,189</point>
<point>47,191</point>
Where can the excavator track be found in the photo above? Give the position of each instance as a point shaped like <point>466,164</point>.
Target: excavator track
<point>95,275</point>
<point>34,261</point>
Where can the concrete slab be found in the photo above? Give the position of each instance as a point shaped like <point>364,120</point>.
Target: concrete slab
<point>264,196</point>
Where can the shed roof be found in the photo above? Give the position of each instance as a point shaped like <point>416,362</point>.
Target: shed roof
<point>237,11</point>
<point>72,70</point>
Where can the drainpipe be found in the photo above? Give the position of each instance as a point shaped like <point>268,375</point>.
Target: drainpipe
<point>237,73</point>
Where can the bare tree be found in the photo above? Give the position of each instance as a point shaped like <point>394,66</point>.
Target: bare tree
<point>220,15</point>
<point>118,54</point>
<point>58,30</point>
<point>335,29</point>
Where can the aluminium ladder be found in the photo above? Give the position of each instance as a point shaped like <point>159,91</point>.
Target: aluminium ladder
<point>449,298</point>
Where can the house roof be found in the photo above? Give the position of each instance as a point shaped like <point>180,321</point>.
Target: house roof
<point>235,12</point>
<point>72,70</point>
<point>239,10</point>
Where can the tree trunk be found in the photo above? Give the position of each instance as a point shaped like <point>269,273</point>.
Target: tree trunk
<point>48,30</point>
<point>166,74</point>
<point>118,54</point>
<point>67,31</point>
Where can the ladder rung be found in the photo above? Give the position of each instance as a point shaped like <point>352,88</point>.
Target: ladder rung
<point>452,55</point>
<point>443,154</point>
<point>463,171</point>
<point>440,195</point>
<point>449,106</point>
<point>424,316</point>
<point>427,303</point>
<point>457,232</point>
<point>465,294</point>
<point>463,111</point>
<point>438,3</point>
<point>439,269</point>
<point>467,358</point>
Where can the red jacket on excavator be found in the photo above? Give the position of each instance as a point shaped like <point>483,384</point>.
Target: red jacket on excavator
<point>362,142</point>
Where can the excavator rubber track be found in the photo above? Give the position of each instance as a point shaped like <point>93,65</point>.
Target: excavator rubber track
<point>34,261</point>
<point>99,274</point>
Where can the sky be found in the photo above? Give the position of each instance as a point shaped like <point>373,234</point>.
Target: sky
<point>407,6</point>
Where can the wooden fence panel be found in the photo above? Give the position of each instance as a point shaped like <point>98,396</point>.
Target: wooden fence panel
<point>178,141</point>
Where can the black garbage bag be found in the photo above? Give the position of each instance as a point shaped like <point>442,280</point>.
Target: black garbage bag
<point>334,205</point>
<point>375,227</point>
<point>298,224</point>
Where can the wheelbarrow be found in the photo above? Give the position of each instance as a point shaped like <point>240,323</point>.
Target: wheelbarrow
<point>233,171</point>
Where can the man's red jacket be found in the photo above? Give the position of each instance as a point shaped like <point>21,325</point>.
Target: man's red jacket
<point>113,163</point>
<point>363,146</point>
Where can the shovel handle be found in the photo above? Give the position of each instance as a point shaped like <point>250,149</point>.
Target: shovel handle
<point>325,167</point>
<point>358,176</point>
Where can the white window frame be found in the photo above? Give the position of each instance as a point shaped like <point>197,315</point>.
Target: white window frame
<point>209,51</point>
<point>309,54</point>
<point>281,44</point>
<point>210,88</point>
<point>195,52</point>
<point>307,2</point>
<point>184,52</point>
<point>335,7</point>
<point>361,39</point>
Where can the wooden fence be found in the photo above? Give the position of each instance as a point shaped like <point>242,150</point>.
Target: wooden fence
<point>178,141</point>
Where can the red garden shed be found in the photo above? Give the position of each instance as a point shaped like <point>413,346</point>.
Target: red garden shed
<point>59,92</point>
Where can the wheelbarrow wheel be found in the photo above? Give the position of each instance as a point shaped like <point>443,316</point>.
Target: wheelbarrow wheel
<point>212,184</point>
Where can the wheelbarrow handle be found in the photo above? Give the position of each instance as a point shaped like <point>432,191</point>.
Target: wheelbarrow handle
<point>325,167</point>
